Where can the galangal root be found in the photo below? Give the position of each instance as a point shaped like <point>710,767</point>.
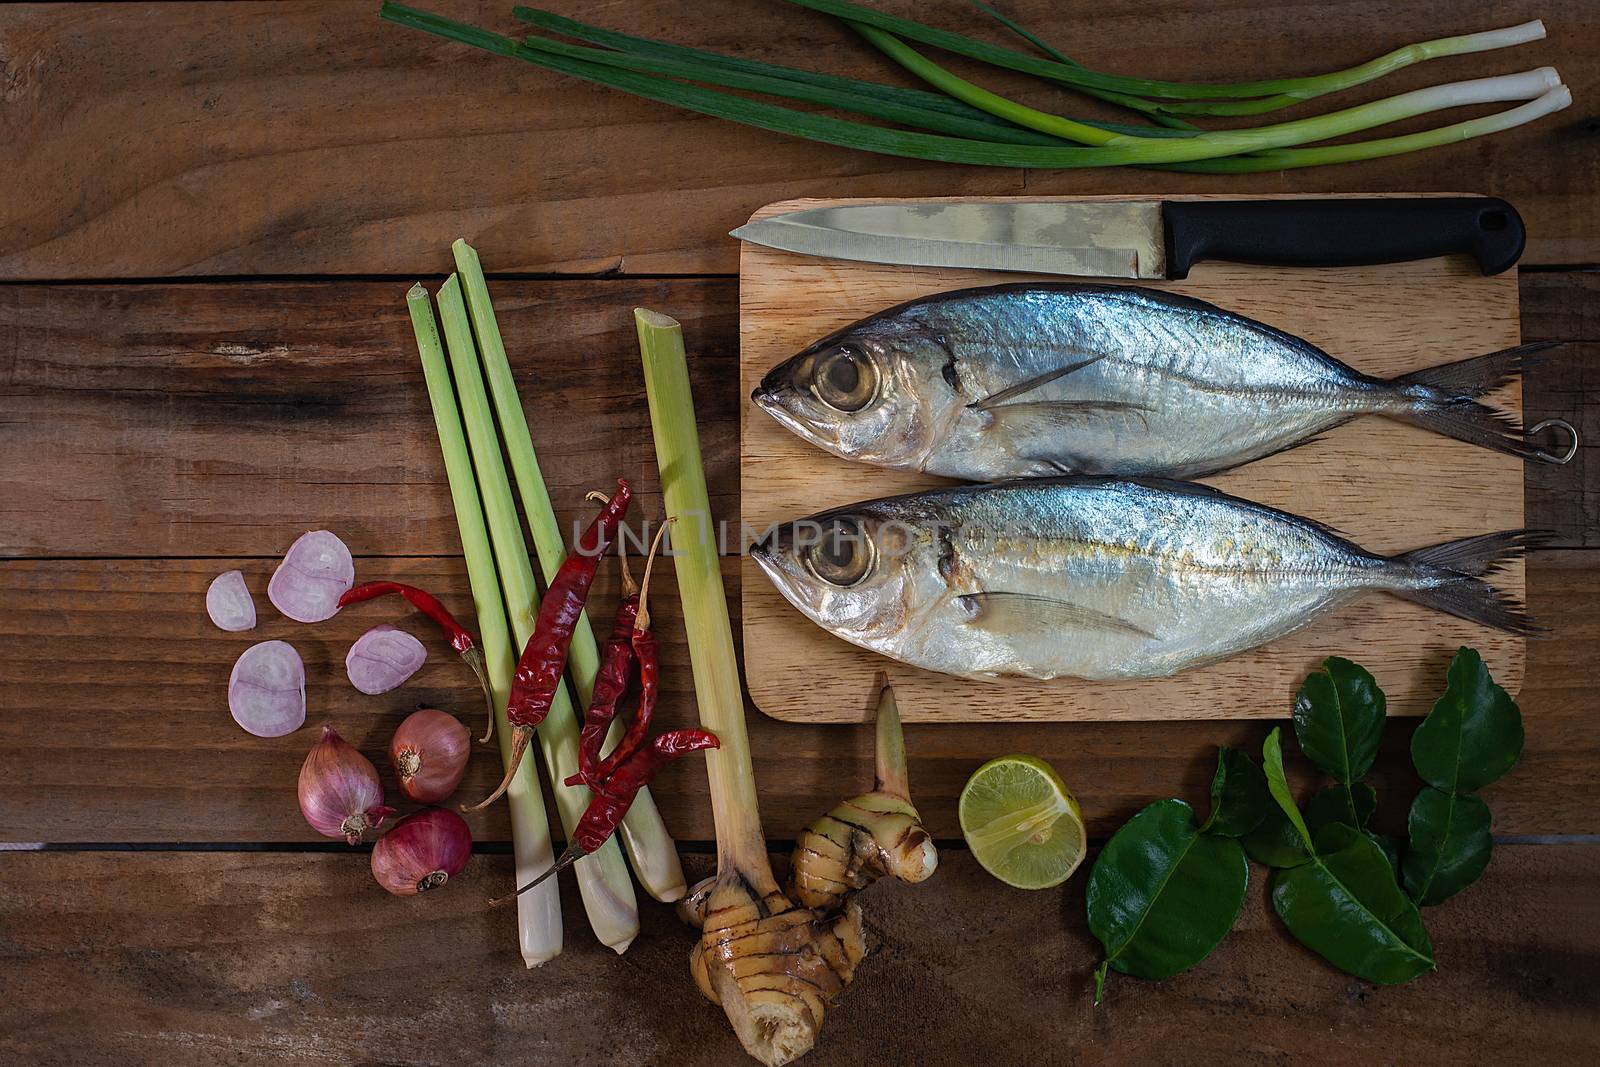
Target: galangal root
<point>774,961</point>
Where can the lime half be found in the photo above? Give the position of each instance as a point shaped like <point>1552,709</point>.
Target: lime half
<point>1022,822</point>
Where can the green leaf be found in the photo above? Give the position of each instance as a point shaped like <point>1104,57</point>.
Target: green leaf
<point>1338,719</point>
<point>1345,906</point>
<point>1162,894</point>
<point>1393,846</point>
<point>1278,785</point>
<point>1239,797</point>
<point>1450,845</point>
<point>1352,806</point>
<point>1275,843</point>
<point>1473,735</point>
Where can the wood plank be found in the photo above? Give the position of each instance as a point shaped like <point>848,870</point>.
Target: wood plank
<point>201,419</point>
<point>114,725</point>
<point>309,137</point>
<point>1387,486</point>
<point>194,420</point>
<point>299,958</point>
<point>1565,307</point>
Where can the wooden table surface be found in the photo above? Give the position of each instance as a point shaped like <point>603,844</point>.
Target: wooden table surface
<point>212,213</point>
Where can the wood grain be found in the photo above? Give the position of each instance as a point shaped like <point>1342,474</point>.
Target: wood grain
<point>194,420</point>
<point>114,724</point>
<point>1387,486</point>
<point>308,137</point>
<point>301,959</point>
<point>1565,307</point>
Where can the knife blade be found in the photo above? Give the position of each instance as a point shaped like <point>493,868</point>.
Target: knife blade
<point>1151,239</point>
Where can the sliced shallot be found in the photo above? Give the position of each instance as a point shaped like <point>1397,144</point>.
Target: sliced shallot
<point>314,573</point>
<point>229,603</point>
<point>383,658</point>
<point>267,690</point>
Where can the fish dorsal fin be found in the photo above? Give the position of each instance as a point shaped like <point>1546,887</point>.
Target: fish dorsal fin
<point>1028,385</point>
<point>1031,615</point>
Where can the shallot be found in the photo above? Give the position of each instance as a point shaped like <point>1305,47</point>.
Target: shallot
<point>229,604</point>
<point>340,794</point>
<point>383,658</point>
<point>267,690</point>
<point>429,753</point>
<point>314,573</point>
<point>422,852</point>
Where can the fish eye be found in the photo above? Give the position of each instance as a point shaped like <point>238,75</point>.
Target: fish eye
<point>844,378</point>
<point>842,554</point>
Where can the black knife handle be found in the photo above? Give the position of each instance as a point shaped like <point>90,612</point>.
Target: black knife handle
<point>1342,233</point>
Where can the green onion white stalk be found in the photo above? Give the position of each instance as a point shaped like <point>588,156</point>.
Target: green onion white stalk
<point>651,850</point>
<point>1209,145</point>
<point>1555,100</point>
<point>539,912</point>
<point>603,879</point>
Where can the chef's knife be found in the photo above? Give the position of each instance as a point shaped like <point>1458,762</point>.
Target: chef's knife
<point>1152,238</point>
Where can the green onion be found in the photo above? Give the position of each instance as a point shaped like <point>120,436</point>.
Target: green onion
<point>651,850</point>
<point>538,912</point>
<point>861,103</point>
<point>1135,148</point>
<point>1207,145</point>
<point>1155,111</point>
<point>643,46</point>
<point>1290,158</point>
<point>602,876</point>
<point>1287,90</point>
<point>1026,34</point>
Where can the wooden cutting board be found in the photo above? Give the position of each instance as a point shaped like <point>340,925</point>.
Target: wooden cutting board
<point>1387,486</point>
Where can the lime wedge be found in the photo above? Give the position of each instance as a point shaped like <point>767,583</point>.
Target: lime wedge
<point>1022,822</point>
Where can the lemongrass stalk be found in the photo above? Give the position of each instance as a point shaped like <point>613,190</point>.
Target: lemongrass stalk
<point>1290,158</point>
<point>539,912</point>
<point>695,559</point>
<point>823,129</point>
<point>1211,144</point>
<point>751,933</point>
<point>1289,90</point>
<point>651,850</point>
<point>603,880</point>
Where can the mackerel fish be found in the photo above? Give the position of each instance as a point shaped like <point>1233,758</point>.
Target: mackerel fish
<point>1037,379</point>
<point>1100,578</point>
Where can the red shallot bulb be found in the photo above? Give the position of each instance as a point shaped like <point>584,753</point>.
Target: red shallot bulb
<point>340,795</point>
<point>429,753</point>
<point>422,852</point>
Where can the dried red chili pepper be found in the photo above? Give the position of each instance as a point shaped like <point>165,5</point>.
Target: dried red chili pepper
<point>610,681</point>
<point>538,674</point>
<point>458,636</point>
<point>643,643</point>
<point>618,779</point>
<point>613,797</point>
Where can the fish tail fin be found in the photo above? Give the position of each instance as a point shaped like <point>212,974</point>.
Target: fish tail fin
<point>1444,399</point>
<point>1468,379</point>
<point>1459,568</point>
<point>1472,422</point>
